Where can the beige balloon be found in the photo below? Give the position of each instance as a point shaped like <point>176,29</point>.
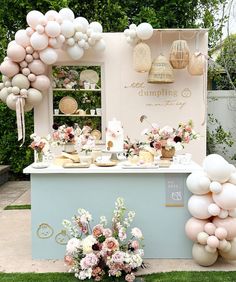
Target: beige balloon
<point>20,81</point>
<point>34,97</point>
<point>202,257</point>
<point>230,254</point>
<point>4,94</point>
<point>11,101</point>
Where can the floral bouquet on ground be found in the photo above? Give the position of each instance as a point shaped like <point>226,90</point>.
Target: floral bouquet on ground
<point>65,134</point>
<point>102,251</point>
<point>169,137</point>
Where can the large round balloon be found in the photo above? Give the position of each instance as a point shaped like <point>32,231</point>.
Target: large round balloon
<point>198,183</point>
<point>42,83</point>
<point>193,227</point>
<point>51,15</point>
<point>37,67</point>
<point>217,168</point>
<point>39,41</point>
<point>226,199</point>
<point>230,254</point>
<point>67,14</point>
<point>229,224</point>
<point>67,29</point>
<point>22,38</point>
<point>11,101</point>
<point>16,52</point>
<point>52,29</point>
<point>75,52</point>
<point>202,257</point>
<point>27,107</point>
<point>34,97</point>
<point>33,18</point>
<point>20,81</point>
<point>198,206</point>
<point>96,26</point>
<point>48,56</point>
<point>4,94</point>
<point>144,31</point>
<point>9,68</point>
<point>84,24</point>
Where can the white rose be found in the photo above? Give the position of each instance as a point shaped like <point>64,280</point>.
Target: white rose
<point>73,245</point>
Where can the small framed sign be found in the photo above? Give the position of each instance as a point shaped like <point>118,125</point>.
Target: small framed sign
<point>174,191</point>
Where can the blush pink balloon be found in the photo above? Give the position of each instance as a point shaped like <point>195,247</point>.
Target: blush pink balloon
<point>31,77</point>
<point>35,55</point>
<point>193,227</point>
<point>29,50</point>
<point>33,18</point>
<point>40,29</point>
<point>213,242</point>
<point>29,31</point>
<point>53,29</point>
<point>29,58</point>
<point>229,224</point>
<point>26,71</point>
<point>210,228</point>
<point>37,67</point>
<point>9,68</point>
<point>22,38</point>
<point>42,83</point>
<point>221,233</point>
<point>226,199</point>
<point>23,64</point>
<point>39,41</point>
<point>16,52</point>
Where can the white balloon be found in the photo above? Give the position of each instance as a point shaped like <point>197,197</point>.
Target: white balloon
<point>43,21</point>
<point>70,41</point>
<point>67,14</point>
<point>39,41</point>
<point>213,209</point>
<point>144,31</point>
<point>33,18</point>
<point>232,178</point>
<point>198,183</point>
<point>133,26</point>
<point>51,15</point>
<point>8,83</point>
<point>15,90</point>
<point>217,168</point>
<point>22,38</point>
<point>215,187</point>
<point>20,81</point>
<point>4,94</point>
<point>232,212</point>
<point>40,29</point>
<point>126,32</point>
<point>1,86</point>
<point>9,90</point>
<point>198,206</point>
<point>53,42</point>
<point>96,26</point>
<point>82,21</point>
<point>48,56</point>
<point>100,45</point>
<point>75,52</point>
<point>86,46</point>
<point>34,97</point>
<point>53,29</point>
<point>78,35</point>
<point>133,33</point>
<point>81,43</point>
<point>67,28</point>
<point>91,41</point>
<point>223,214</point>
<point>29,31</point>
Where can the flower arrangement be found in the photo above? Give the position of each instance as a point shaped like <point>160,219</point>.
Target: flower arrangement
<point>132,148</point>
<point>169,137</point>
<point>103,251</point>
<point>65,134</point>
<point>65,77</point>
<point>39,145</point>
<point>86,142</point>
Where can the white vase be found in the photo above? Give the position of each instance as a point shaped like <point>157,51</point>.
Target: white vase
<point>69,148</point>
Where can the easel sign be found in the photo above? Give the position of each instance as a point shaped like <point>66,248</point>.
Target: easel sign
<point>174,191</point>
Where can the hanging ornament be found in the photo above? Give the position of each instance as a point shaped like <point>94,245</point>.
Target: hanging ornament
<point>161,71</point>
<point>197,60</point>
<point>142,57</point>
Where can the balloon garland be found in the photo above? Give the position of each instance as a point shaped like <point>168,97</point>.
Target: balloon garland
<point>34,48</point>
<point>213,207</point>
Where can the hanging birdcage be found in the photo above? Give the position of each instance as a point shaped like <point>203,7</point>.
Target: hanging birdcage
<point>196,64</point>
<point>142,57</point>
<point>161,71</point>
<point>179,54</point>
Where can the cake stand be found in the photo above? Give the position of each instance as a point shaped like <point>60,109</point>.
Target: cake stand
<point>114,154</point>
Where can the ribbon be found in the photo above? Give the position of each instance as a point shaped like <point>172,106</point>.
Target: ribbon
<point>20,117</point>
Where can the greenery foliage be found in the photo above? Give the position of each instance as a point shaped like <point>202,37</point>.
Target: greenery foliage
<point>114,15</point>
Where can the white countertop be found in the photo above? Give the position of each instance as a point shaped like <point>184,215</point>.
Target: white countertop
<point>174,168</point>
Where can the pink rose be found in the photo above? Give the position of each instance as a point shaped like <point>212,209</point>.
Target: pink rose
<point>129,277</point>
<point>187,139</point>
<point>135,244</point>
<point>97,230</point>
<point>55,135</point>
<point>111,244</point>
<point>68,260</point>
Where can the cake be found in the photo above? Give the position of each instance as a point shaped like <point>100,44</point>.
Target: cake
<point>114,136</point>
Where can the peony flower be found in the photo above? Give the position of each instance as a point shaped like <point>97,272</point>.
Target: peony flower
<point>107,232</point>
<point>129,277</point>
<point>136,261</point>
<point>97,230</point>
<point>118,257</point>
<point>88,261</point>
<point>84,274</point>
<point>87,244</point>
<point>68,260</point>
<point>73,245</point>
<point>137,233</point>
<point>111,244</point>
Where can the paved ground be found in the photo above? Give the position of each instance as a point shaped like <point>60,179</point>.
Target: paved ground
<point>15,242</point>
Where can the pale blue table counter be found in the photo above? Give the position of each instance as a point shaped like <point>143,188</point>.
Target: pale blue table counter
<point>57,193</point>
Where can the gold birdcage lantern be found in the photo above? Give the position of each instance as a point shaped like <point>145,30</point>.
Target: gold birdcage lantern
<point>179,54</point>
<point>161,71</point>
<point>142,60</point>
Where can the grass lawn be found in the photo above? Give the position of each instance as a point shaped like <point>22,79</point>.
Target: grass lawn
<point>18,207</point>
<point>206,276</point>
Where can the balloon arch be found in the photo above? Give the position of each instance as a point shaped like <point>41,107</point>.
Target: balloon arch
<point>34,48</point>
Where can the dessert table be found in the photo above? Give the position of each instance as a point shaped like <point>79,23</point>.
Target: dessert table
<point>57,193</point>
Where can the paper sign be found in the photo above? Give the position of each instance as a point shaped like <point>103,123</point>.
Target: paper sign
<point>174,191</point>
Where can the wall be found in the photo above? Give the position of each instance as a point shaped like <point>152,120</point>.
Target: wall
<point>179,101</point>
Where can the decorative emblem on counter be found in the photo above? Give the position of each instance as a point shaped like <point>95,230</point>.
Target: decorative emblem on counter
<point>62,237</point>
<point>45,231</point>
<point>174,191</point>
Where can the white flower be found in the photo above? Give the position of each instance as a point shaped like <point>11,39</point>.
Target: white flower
<point>85,216</point>
<point>127,258</point>
<point>85,274</point>
<point>122,234</point>
<point>145,131</point>
<point>137,233</point>
<point>87,244</point>
<point>136,261</point>
<point>178,146</point>
<point>166,130</point>
<point>73,245</point>
<point>140,252</point>
<point>118,257</point>
<point>103,220</point>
